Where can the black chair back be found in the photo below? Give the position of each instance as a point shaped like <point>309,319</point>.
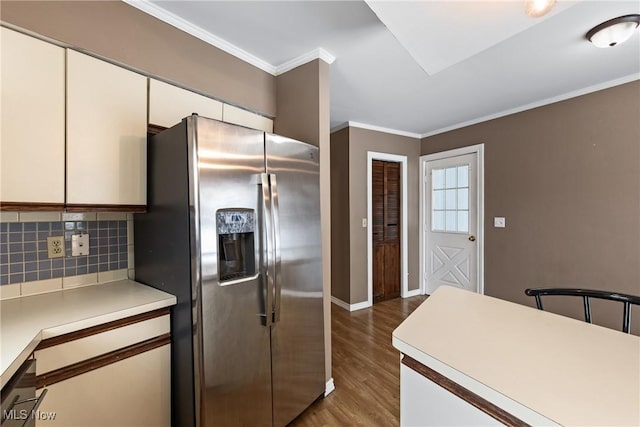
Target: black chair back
<point>625,299</point>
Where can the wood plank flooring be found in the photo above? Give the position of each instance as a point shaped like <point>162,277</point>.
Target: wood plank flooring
<point>366,368</point>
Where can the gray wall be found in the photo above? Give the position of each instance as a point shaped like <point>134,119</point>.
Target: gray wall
<point>567,178</point>
<point>303,114</point>
<point>340,256</point>
<point>361,141</point>
<point>122,33</point>
<point>302,96</point>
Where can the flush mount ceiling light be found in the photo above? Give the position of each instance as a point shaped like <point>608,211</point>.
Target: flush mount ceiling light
<point>537,8</point>
<point>613,31</point>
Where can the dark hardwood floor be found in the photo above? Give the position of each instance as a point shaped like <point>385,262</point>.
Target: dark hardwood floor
<point>366,368</point>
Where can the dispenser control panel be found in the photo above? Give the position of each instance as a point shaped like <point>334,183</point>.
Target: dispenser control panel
<point>235,221</point>
<point>236,244</point>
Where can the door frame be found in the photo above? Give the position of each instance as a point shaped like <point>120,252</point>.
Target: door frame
<point>426,204</point>
<point>404,253</point>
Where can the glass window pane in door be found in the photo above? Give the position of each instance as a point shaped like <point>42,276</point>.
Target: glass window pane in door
<point>450,199</point>
<point>438,178</point>
<point>451,219</point>
<point>437,221</point>
<point>438,199</point>
<point>463,176</point>
<point>451,177</point>
<point>463,198</point>
<point>463,221</point>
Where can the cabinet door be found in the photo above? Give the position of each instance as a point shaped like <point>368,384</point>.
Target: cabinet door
<point>32,131</point>
<point>238,116</point>
<point>106,133</point>
<point>425,403</point>
<point>169,104</point>
<point>134,392</point>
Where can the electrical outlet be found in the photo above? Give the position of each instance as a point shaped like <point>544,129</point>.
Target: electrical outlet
<point>55,246</point>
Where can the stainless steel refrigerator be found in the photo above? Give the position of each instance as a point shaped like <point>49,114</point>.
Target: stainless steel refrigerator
<point>233,230</point>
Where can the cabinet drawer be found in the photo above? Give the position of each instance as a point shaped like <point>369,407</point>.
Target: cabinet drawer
<point>78,350</point>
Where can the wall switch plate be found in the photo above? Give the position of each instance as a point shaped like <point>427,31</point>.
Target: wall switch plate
<point>55,246</point>
<point>364,222</point>
<point>80,244</point>
<point>499,222</point>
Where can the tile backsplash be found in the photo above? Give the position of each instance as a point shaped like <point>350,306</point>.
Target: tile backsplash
<point>24,257</point>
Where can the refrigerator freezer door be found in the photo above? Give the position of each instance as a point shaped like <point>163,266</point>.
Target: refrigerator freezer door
<point>297,336</point>
<point>234,364</point>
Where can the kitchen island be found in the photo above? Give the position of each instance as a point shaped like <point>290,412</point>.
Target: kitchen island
<point>473,359</point>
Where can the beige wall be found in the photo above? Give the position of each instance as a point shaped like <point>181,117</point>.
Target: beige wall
<point>121,33</point>
<point>299,95</point>
<point>567,178</point>
<point>340,256</point>
<point>303,107</point>
<point>352,283</point>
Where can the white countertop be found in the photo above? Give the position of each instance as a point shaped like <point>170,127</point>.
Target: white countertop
<point>527,361</point>
<point>25,321</point>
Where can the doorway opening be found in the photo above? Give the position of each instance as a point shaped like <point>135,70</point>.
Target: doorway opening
<point>386,225</point>
<point>452,219</point>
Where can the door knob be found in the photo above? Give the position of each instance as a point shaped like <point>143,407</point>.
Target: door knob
<point>472,238</point>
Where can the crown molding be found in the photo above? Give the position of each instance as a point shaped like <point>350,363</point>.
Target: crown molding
<point>167,17</point>
<point>339,127</point>
<point>318,53</point>
<point>380,129</point>
<point>568,95</point>
<point>175,21</point>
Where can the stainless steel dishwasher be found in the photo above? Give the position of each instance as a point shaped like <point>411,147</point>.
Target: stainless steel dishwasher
<point>18,398</point>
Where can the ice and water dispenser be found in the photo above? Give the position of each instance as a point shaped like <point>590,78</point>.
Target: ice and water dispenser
<point>236,244</point>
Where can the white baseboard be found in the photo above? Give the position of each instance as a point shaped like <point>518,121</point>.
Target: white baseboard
<point>337,301</point>
<point>350,307</point>
<point>329,387</point>
<point>412,293</point>
<point>360,306</point>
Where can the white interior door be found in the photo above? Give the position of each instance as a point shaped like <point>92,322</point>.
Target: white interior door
<point>451,223</point>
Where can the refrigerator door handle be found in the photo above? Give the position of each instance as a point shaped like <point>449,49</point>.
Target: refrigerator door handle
<point>270,270</point>
<point>276,242</point>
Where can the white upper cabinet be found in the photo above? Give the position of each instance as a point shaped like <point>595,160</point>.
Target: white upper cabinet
<point>106,133</point>
<point>238,116</point>
<point>32,126</point>
<point>169,104</point>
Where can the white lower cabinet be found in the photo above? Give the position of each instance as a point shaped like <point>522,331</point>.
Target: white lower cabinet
<point>116,374</point>
<point>134,392</point>
<point>425,403</point>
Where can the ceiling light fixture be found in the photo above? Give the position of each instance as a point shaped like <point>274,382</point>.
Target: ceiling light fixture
<point>614,31</point>
<point>538,8</point>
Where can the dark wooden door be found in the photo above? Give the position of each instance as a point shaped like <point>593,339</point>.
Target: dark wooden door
<point>386,230</point>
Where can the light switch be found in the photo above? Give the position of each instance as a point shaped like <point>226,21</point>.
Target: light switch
<point>499,222</point>
<point>80,244</point>
<point>364,222</point>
